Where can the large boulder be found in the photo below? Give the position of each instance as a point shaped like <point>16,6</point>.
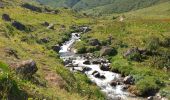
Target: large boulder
<point>133,54</point>
<point>56,48</point>
<point>27,68</point>
<point>107,51</point>
<point>96,74</point>
<point>94,42</point>
<point>18,25</point>
<point>85,69</point>
<point>6,17</point>
<point>32,7</point>
<point>87,62</point>
<point>128,80</point>
<point>105,67</point>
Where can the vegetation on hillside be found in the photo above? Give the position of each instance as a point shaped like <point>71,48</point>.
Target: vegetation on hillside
<point>29,38</point>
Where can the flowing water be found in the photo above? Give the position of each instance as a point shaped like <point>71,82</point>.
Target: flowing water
<point>112,92</point>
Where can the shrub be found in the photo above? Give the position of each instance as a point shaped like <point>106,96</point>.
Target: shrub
<point>152,44</point>
<point>166,42</point>
<point>147,86</point>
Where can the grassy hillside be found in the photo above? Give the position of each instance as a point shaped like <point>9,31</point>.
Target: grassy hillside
<point>102,6</point>
<point>147,29</point>
<point>52,81</point>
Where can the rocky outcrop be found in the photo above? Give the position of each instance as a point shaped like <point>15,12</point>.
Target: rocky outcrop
<point>128,80</point>
<point>27,68</point>
<point>107,51</point>
<point>32,7</point>
<point>105,67</point>
<point>98,75</point>
<point>86,69</point>
<point>87,62</point>
<point>18,25</point>
<point>6,17</point>
<point>56,48</point>
<point>135,54</point>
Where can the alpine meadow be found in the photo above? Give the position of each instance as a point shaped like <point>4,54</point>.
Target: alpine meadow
<point>85,50</point>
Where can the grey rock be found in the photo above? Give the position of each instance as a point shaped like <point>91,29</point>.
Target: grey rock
<point>6,17</point>
<point>27,68</point>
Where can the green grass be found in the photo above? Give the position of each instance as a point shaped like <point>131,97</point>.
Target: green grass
<point>75,86</point>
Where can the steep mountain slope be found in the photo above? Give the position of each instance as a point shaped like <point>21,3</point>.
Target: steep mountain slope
<point>146,29</point>
<point>102,6</point>
<point>25,34</point>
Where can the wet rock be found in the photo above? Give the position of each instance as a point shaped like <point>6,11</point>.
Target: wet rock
<point>96,61</point>
<point>6,17</point>
<point>128,80</point>
<point>67,61</point>
<point>69,65</point>
<point>18,25</point>
<point>150,98</point>
<point>27,68</point>
<point>102,77</point>
<point>32,7</point>
<point>56,48</point>
<point>87,62</point>
<point>94,72</point>
<point>51,26</point>
<point>105,67</point>
<point>125,87</point>
<point>113,83</point>
<point>75,65</point>
<point>107,51</point>
<point>97,75</point>
<point>94,42</point>
<point>86,69</point>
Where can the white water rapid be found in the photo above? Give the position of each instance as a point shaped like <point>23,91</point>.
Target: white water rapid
<point>112,92</point>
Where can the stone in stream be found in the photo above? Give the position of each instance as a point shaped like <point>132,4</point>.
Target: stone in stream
<point>67,61</point>
<point>56,48</point>
<point>128,80</point>
<point>150,98</point>
<point>85,69</point>
<point>96,61</point>
<point>96,74</point>
<point>87,62</point>
<point>105,67</point>
<point>113,83</point>
<point>69,65</point>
